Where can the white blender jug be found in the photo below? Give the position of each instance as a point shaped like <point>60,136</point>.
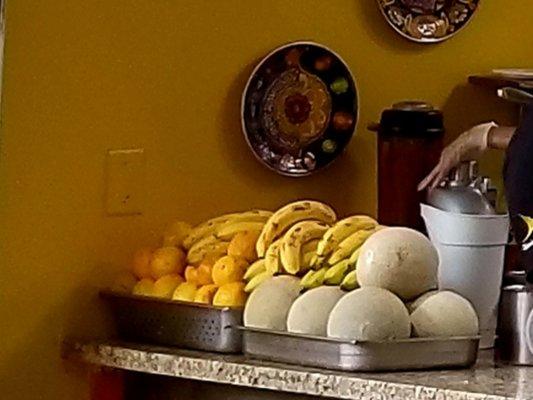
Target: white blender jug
<point>470,237</point>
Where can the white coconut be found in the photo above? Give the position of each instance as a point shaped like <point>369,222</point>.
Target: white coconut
<point>445,314</point>
<point>412,306</point>
<point>268,305</point>
<point>310,312</point>
<point>401,260</point>
<point>369,314</point>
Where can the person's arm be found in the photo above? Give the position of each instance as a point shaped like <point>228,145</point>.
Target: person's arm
<point>500,136</point>
<point>469,146</point>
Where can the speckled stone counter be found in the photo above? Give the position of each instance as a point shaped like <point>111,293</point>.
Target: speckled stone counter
<point>482,382</point>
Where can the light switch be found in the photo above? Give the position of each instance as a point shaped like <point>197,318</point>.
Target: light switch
<point>125,182</point>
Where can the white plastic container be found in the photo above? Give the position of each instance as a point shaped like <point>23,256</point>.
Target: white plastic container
<point>472,252</point>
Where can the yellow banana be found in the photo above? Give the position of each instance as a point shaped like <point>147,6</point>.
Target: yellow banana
<point>219,248</point>
<point>348,246</point>
<point>308,253</point>
<point>355,256</point>
<point>206,241</point>
<point>307,258</point>
<point>210,226</point>
<point>342,230</point>
<point>229,229</point>
<point>310,246</point>
<point>255,269</point>
<point>293,240</point>
<point>313,278</point>
<point>529,222</point>
<point>336,274</point>
<point>287,216</point>
<point>256,281</point>
<point>350,281</point>
<point>272,261</point>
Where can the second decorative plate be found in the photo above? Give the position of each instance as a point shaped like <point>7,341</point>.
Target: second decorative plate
<point>299,108</point>
<point>428,21</point>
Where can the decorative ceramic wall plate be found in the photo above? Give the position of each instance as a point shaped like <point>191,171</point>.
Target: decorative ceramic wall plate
<point>428,21</point>
<point>299,108</point>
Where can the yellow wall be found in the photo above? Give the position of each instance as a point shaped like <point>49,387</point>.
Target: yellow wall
<point>82,77</point>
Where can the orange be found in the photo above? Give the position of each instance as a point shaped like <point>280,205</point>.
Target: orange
<point>165,286</point>
<point>229,269</point>
<point>191,274</point>
<point>167,261</point>
<point>204,274</point>
<point>243,245</point>
<point>145,287</point>
<point>141,263</point>
<point>205,294</point>
<point>186,291</point>
<point>230,295</point>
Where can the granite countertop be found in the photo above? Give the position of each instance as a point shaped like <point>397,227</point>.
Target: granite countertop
<point>484,381</point>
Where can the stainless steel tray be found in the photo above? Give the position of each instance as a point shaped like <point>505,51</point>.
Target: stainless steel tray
<point>408,354</point>
<point>174,323</point>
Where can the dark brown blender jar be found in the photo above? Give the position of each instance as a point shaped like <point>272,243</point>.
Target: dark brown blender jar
<point>409,145</point>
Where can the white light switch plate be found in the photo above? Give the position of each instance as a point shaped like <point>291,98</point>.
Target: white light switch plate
<point>125,182</point>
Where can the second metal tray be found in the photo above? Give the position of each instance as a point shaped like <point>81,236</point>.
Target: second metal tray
<point>408,354</point>
<point>174,323</point>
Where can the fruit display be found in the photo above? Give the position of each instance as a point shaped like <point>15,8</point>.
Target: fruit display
<point>301,270</point>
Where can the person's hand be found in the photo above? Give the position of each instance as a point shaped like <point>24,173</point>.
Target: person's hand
<point>469,146</point>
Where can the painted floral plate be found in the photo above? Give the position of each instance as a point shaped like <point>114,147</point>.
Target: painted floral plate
<point>428,21</point>
<point>299,108</point>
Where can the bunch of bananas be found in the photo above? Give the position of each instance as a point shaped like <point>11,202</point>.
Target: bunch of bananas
<point>304,239</point>
<point>337,252</point>
<point>213,237</point>
<point>287,239</point>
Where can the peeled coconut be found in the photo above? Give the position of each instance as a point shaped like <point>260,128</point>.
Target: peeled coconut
<point>445,314</point>
<point>310,312</point>
<point>412,306</point>
<point>268,305</point>
<point>369,314</point>
<point>401,260</point>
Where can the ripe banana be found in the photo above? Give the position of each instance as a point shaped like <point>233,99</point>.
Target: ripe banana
<point>313,278</point>
<point>210,226</point>
<point>272,261</point>
<point>350,281</point>
<point>310,246</point>
<point>355,256</point>
<point>256,281</point>
<point>307,258</point>
<point>229,229</point>
<point>349,245</point>
<point>287,216</point>
<point>317,262</point>
<point>308,253</point>
<point>206,241</point>
<point>293,240</point>
<point>219,248</point>
<point>336,274</point>
<point>255,269</point>
<point>342,230</point>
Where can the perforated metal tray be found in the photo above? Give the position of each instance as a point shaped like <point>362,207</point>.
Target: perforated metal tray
<point>407,354</point>
<point>174,323</point>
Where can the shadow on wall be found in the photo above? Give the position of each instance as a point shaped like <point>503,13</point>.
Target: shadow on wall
<point>334,185</point>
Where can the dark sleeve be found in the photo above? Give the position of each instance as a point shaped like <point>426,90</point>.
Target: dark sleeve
<point>518,176</point>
